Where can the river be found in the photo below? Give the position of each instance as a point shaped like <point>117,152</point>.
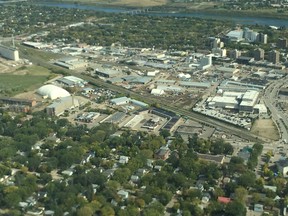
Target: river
<point>236,19</point>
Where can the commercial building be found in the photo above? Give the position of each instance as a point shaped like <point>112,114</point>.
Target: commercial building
<point>259,54</point>
<point>282,43</point>
<point>223,102</point>
<point>236,35</point>
<point>205,62</point>
<point>235,100</point>
<point>250,35</point>
<point>59,106</point>
<point>227,70</point>
<point>249,100</point>
<point>262,38</point>
<point>274,56</point>
<point>234,54</point>
<point>10,53</point>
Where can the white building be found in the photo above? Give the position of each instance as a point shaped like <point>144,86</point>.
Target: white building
<point>223,102</point>
<point>52,92</point>
<point>120,101</point>
<point>205,62</point>
<point>9,53</point>
<point>157,92</point>
<point>249,100</point>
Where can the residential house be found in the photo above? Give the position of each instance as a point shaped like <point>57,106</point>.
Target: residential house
<point>282,166</point>
<point>224,200</point>
<point>258,208</point>
<point>123,159</point>
<point>163,153</point>
<point>123,194</point>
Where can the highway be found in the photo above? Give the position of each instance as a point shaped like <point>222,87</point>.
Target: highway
<point>270,100</point>
<point>150,99</point>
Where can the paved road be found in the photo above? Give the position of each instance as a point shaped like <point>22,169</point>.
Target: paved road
<point>148,98</point>
<point>270,100</point>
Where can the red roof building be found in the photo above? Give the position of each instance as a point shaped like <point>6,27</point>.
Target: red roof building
<point>224,200</point>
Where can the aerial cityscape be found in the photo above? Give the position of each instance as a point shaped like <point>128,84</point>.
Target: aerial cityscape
<point>126,107</point>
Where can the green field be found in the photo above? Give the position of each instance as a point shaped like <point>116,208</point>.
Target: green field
<point>34,76</point>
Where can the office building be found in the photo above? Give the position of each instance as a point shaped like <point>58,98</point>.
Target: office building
<point>262,38</point>
<point>274,56</point>
<point>259,54</point>
<point>234,54</point>
<point>282,43</point>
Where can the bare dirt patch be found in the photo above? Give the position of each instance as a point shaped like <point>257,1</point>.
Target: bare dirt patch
<point>265,128</point>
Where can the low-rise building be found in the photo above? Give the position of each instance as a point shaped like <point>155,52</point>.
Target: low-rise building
<point>59,106</point>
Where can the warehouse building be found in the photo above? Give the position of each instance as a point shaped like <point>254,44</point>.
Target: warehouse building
<point>195,84</point>
<point>17,101</point>
<point>71,81</point>
<point>71,63</point>
<point>59,106</point>
<point>106,72</point>
<point>9,53</point>
<point>120,101</point>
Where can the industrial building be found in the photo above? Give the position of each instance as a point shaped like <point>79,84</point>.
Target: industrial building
<point>10,53</point>
<point>126,100</point>
<point>59,106</point>
<point>52,92</point>
<point>17,101</point>
<point>120,101</point>
<point>71,81</point>
<point>188,84</point>
<point>157,92</point>
<point>71,63</point>
<point>106,72</point>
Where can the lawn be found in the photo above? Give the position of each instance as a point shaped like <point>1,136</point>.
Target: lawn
<point>265,128</point>
<point>13,84</point>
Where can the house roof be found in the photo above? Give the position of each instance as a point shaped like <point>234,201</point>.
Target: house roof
<point>224,200</point>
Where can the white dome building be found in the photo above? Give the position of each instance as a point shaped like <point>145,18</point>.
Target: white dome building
<point>52,92</point>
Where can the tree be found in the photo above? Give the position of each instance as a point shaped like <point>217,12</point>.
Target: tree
<point>165,133</point>
<point>85,211</point>
<point>235,208</point>
<point>241,195</point>
<point>122,175</point>
<point>247,179</point>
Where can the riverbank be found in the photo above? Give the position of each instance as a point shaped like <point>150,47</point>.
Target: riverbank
<point>241,18</point>
<point>164,6</point>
